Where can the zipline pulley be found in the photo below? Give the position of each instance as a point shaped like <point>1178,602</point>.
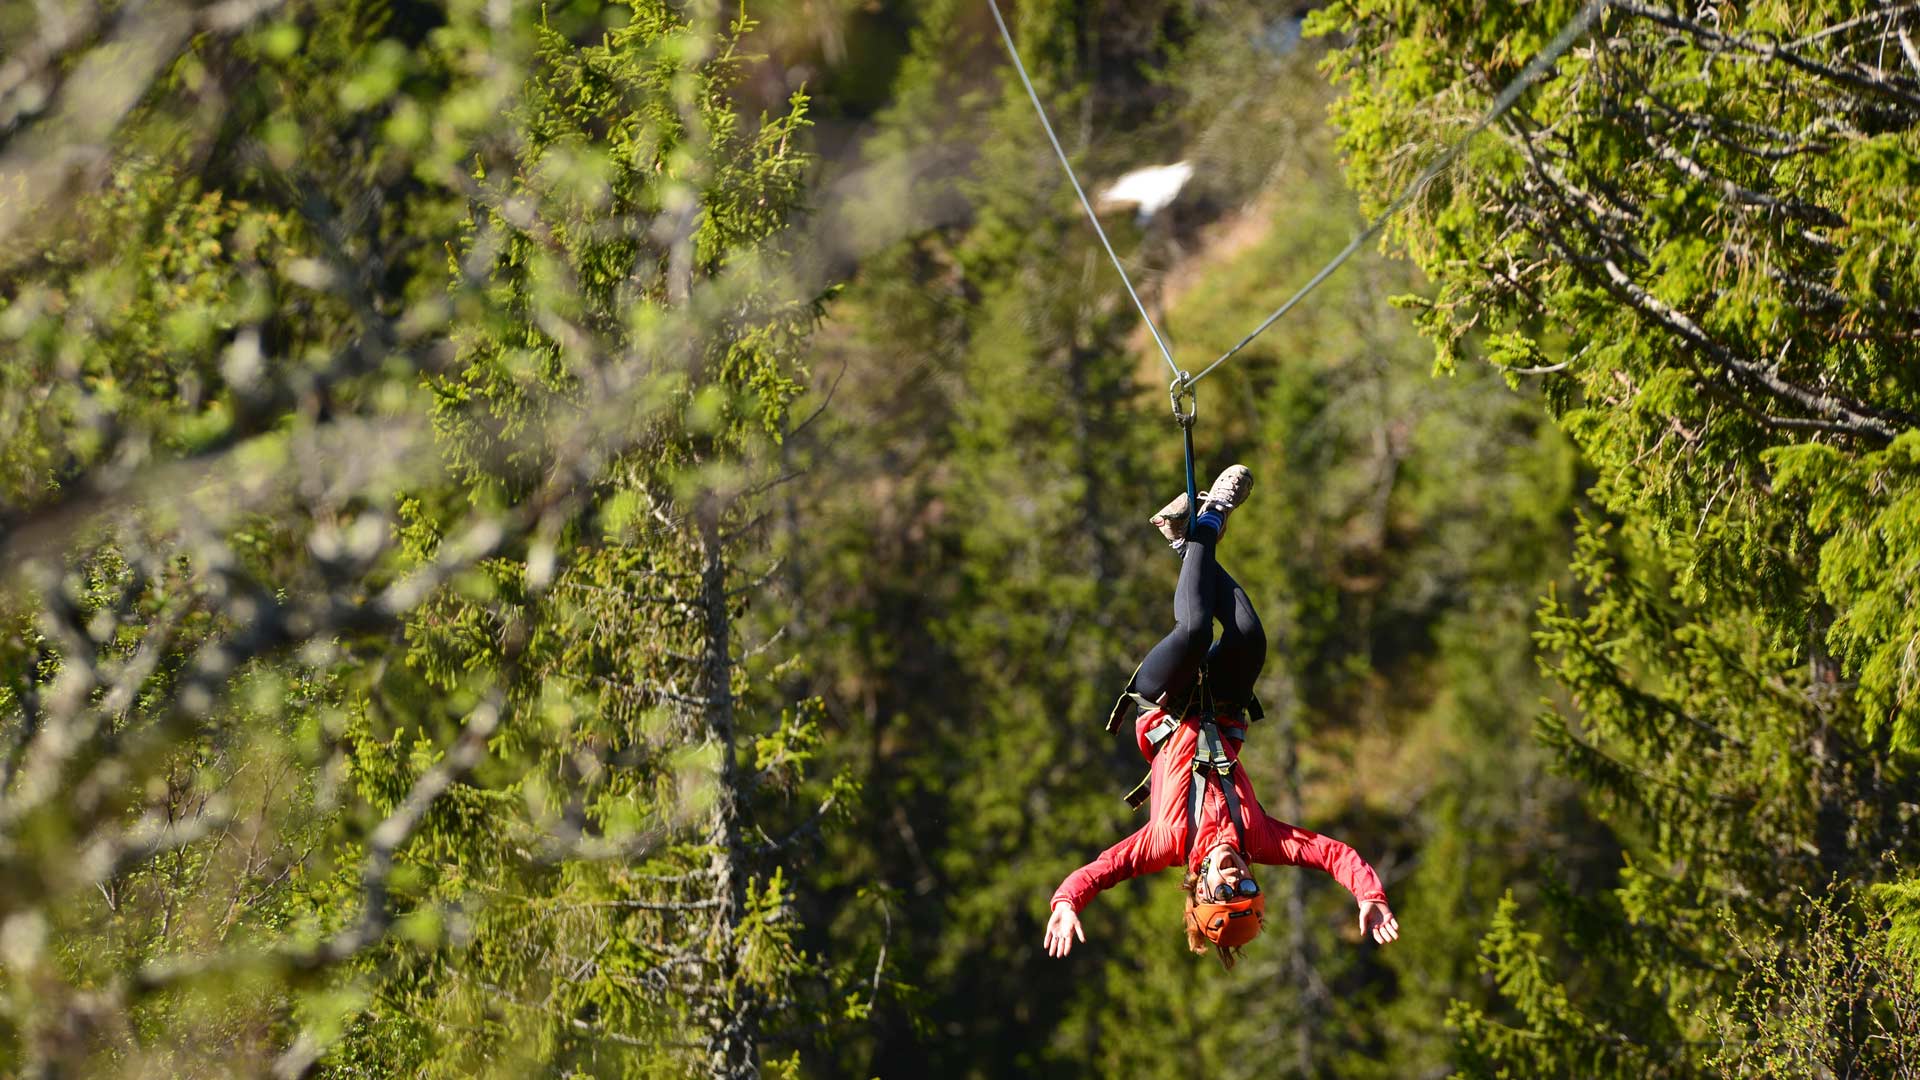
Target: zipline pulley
<point>1182,387</point>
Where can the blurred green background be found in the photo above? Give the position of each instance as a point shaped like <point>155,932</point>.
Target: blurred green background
<point>598,540</point>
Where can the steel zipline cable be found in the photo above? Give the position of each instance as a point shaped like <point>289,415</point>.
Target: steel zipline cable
<point>1570,33</point>
<point>1182,382</point>
<point>1007,36</point>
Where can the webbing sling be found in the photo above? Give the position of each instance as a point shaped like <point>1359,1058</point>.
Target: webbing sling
<point>1210,756</point>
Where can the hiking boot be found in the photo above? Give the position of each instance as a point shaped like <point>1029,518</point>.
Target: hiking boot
<point>1229,490</point>
<point>1172,520</point>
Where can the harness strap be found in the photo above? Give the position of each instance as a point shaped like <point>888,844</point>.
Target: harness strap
<point>1156,735</point>
<point>1161,731</point>
<point>1222,766</point>
<point>1170,722</point>
<point>1252,710</point>
<point>1172,717</point>
<point>1196,796</point>
<point>1210,757</point>
<point>1120,706</point>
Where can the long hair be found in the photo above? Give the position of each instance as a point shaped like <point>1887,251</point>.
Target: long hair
<point>1196,941</point>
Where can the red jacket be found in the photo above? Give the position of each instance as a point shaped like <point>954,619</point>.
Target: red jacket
<point>1163,839</point>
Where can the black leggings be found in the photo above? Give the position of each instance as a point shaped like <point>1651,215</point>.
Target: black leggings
<point>1205,592</point>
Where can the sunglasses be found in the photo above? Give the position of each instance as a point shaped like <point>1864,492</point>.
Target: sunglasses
<point>1224,892</point>
<point>1245,888</point>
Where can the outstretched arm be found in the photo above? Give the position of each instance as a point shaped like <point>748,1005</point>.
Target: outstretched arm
<point>1280,844</point>
<point>1147,850</point>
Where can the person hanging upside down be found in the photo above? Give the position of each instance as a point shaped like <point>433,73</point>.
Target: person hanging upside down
<point>1196,694</point>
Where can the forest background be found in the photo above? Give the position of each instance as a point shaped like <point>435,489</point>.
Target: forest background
<point>598,540</point>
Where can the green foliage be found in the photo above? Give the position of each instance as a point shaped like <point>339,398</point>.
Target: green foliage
<point>1684,234</point>
<point>406,414</point>
<point>1553,1036</point>
<point>980,578</point>
<point>1692,334</point>
<point>1868,510</point>
<point>1900,900</point>
<point>1842,998</point>
<point>450,630</point>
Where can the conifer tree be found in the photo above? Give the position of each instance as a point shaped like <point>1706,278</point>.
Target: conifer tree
<point>981,578</point>
<point>412,730</point>
<point>1687,235</point>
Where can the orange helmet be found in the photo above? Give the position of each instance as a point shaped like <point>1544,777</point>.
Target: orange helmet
<point>1229,924</point>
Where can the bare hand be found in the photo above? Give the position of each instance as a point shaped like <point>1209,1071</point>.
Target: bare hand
<point>1378,920</point>
<point>1062,928</point>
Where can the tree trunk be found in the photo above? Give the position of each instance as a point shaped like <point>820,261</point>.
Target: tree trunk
<point>731,1012</point>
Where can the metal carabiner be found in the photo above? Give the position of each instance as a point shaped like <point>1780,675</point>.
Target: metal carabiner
<point>1182,387</point>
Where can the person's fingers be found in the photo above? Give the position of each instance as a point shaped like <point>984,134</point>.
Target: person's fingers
<point>1059,938</point>
<point>1378,922</point>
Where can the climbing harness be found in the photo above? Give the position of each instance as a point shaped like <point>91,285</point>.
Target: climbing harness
<point>1210,758</point>
<point>1198,705</point>
<point>1183,382</point>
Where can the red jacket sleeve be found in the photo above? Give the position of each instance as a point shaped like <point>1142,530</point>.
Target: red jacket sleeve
<point>1277,843</point>
<point>1150,848</point>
